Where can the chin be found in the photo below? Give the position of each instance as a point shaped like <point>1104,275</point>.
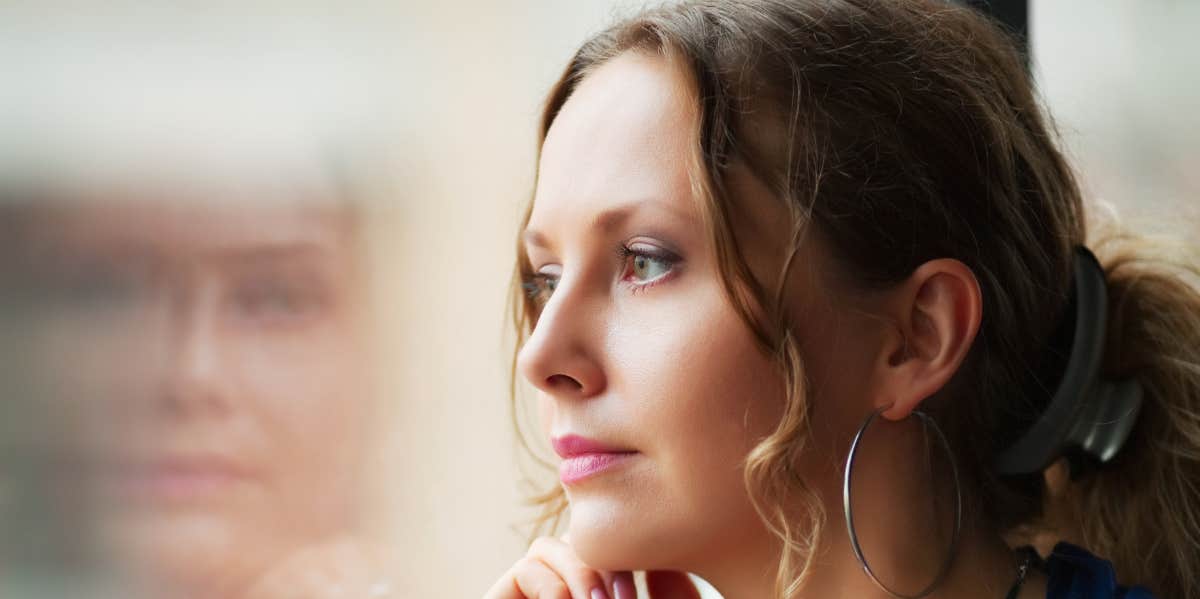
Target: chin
<point>614,535</point>
<point>193,555</point>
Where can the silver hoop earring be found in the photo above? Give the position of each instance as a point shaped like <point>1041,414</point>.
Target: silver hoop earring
<point>858,552</point>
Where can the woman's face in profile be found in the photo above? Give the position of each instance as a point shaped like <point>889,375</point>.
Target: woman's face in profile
<point>638,353</point>
<point>212,358</point>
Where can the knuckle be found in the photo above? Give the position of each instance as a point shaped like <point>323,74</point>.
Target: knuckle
<point>554,590</point>
<point>586,575</point>
<point>541,545</point>
<point>525,564</point>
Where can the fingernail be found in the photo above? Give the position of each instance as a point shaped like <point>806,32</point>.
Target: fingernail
<point>623,586</point>
<point>599,593</point>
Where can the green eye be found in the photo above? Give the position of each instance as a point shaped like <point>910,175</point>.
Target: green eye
<point>646,268</point>
<point>646,264</point>
<point>539,287</point>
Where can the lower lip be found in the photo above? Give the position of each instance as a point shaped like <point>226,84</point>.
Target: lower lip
<point>175,485</point>
<point>577,468</point>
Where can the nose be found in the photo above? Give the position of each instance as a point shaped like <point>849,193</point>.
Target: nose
<point>196,379</point>
<point>561,357</point>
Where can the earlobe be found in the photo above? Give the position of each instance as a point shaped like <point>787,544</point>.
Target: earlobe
<point>937,312</point>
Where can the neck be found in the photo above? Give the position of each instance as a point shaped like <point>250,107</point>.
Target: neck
<point>744,569</point>
<point>983,567</point>
<point>899,541</point>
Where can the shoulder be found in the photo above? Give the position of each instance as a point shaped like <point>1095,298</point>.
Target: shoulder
<point>1073,573</point>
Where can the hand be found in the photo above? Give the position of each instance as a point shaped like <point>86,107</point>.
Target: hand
<point>344,568</point>
<point>551,570</point>
<point>667,584</point>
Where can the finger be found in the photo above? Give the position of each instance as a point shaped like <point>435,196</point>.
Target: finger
<point>623,586</point>
<point>609,578</point>
<point>326,570</point>
<point>529,578</point>
<point>584,582</point>
<point>665,584</point>
<point>505,587</point>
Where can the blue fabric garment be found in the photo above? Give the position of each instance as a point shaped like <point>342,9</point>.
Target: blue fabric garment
<point>1076,574</point>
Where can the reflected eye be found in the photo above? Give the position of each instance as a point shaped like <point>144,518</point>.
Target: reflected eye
<point>101,291</point>
<point>271,299</point>
<point>100,287</point>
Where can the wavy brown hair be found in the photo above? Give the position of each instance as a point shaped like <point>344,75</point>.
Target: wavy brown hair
<point>905,132</point>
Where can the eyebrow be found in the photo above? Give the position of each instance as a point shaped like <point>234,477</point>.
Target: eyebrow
<point>271,252</point>
<point>607,220</point>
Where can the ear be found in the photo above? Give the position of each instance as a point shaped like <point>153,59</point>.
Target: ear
<point>936,311</point>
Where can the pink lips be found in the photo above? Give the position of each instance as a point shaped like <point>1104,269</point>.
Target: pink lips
<point>176,479</point>
<point>583,457</point>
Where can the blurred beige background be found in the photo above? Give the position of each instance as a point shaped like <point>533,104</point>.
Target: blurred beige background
<point>1120,79</point>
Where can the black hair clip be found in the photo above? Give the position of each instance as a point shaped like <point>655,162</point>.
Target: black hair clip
<point>1088,418</point>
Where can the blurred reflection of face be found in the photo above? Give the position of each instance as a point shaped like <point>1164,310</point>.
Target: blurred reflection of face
<point>214,355</point>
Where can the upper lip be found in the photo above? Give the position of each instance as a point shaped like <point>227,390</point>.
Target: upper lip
<point>568,446</point>
<point>181,463</point>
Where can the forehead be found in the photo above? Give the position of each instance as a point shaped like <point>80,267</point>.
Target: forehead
<point>188,229</point>
<point>625,135</point>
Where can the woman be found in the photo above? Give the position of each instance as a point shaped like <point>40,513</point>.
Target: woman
<point>209,363</point>
<point>807,303</point>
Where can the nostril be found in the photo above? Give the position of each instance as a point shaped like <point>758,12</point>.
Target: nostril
<point>563,381</point>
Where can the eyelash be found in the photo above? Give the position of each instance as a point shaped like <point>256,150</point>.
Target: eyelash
<point>660,255</point>
<point>538,287</point>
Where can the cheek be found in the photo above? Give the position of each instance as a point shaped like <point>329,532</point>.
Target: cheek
<point>721,397</point>
<point>96,371</point>
<point>698,380</point>
<point>310,389</point>
<point>712,391</point>
<point>308,399</point>
<point>697,393</point>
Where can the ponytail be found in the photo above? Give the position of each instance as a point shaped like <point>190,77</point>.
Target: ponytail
<point>1142,511</point>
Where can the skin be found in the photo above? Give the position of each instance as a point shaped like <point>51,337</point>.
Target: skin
<point>208,333</point>
<point>650,356</point>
